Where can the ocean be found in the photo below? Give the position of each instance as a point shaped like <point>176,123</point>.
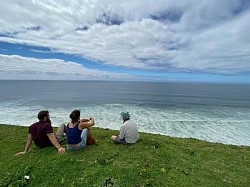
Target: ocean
<point>210,112</point>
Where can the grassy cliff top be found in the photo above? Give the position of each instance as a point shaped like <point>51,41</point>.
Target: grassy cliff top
<point>155,160</point>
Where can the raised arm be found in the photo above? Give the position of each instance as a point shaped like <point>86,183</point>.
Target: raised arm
<point>54,141</point>
<point>85,124</point>
<point>27,146</point>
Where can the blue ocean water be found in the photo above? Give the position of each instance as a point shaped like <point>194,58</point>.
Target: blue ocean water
<point>211,112</point>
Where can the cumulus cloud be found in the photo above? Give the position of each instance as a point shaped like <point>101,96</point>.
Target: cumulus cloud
<point>163,35</point>
<point>18,67</point>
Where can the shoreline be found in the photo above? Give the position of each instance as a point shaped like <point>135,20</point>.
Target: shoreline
<point>156,134</point>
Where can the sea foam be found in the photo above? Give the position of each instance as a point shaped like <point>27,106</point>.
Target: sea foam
<point>228,125</point>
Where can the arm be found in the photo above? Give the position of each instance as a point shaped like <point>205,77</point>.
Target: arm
<point>122,133</point>
<point>54,141</point>
<point>85,120</point>
<point>27,146</point>
<point>85,124</point>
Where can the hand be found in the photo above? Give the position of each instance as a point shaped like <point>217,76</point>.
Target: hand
<point>92,120</point>
<point>61,150</point>
<point>20,153</point>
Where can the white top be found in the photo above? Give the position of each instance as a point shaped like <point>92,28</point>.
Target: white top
<point>129,132</point>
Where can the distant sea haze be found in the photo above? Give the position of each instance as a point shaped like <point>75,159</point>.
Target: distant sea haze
<point>211,112</point>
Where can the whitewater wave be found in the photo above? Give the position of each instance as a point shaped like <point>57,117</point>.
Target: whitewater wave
<point>228,125</point>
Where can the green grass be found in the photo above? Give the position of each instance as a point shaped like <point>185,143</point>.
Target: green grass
<point>154,161</point>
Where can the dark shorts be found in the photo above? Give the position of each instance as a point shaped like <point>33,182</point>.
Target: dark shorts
<point>120,141</point>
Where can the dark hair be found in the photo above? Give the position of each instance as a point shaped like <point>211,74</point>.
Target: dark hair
<point>74,116</point>
<point>42,114</point>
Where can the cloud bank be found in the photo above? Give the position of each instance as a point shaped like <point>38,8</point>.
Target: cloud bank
<point>18,67</point>
<point>160,35</point>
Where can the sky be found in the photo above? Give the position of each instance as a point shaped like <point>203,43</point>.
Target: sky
<point>126,40</point>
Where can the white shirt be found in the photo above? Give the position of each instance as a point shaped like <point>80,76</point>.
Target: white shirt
<point>129,132</point>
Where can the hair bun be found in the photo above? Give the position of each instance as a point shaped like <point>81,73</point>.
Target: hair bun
<point>74,116</point>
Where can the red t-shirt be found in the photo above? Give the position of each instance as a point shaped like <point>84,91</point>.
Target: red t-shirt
<point>39,131</point>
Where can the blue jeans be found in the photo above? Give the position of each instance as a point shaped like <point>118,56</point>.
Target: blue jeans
<point>82,144</point>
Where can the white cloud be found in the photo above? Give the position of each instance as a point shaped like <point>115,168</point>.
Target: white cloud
<point>221,49</point>
<point>18,67</point>
<point>163,35</point>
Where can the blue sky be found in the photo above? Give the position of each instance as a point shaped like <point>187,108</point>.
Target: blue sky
<point>144,40</point>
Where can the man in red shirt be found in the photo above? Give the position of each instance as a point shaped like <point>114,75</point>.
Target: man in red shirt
<point>41,133</point>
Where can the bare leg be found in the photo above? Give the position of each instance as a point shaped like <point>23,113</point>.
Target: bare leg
<point>60,131</point>
<point>91,139</point>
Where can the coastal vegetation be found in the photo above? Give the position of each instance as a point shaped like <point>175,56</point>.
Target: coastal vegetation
<point>155,160</point>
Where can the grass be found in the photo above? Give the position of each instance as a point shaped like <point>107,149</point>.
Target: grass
<point>154,161</point>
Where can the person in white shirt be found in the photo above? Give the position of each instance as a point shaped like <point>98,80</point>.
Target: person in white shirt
<point>128,132</point>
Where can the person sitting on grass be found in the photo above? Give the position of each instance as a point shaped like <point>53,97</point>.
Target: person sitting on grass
<point>78,132</point>
<point>41,133</point>
<point>128,132</point>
